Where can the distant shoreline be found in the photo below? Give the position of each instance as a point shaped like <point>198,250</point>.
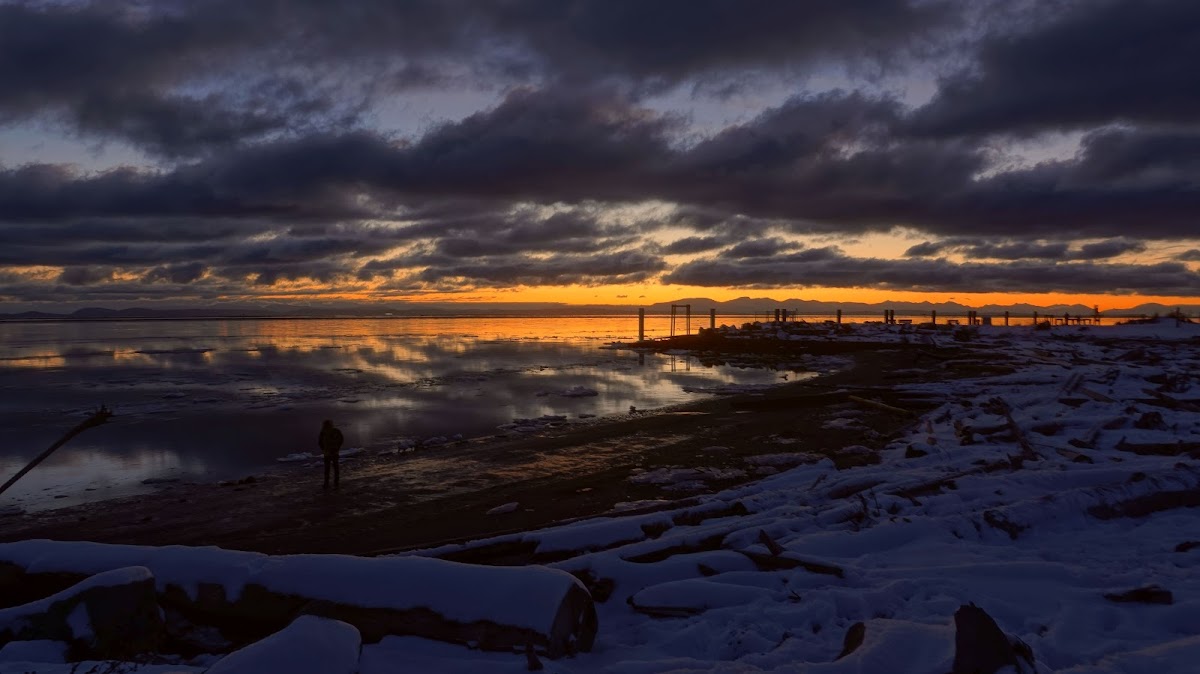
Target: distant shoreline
<point>853,317</point>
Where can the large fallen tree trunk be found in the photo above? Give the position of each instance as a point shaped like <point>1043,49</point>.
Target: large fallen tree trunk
<point>250,595</point>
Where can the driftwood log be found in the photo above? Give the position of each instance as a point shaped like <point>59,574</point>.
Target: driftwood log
<point>112,615</point>
<point>309,645</point>
<point>97,418</point>
<point>248,596</point>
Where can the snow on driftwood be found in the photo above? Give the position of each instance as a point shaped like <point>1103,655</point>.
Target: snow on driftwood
<point>495,607</point>
<point>110,614</point>
<point>310,645</point>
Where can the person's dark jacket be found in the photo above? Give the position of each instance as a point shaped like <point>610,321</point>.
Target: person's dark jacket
<point>330,441</point>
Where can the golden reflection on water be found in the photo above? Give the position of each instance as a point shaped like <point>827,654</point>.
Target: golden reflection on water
<point>232,395</point>
<point>45,359</point>
<point>407,339</point>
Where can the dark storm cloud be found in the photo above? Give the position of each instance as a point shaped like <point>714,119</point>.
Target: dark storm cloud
<point>828,157</point>
<point>1112,248</point>
<point>829,267</point>
<point>1017,251</point>
<point>830,163</point>
<point>127,231</point>
<point>182,273</point>
<point>46,192</point>
<point>83,276</point>
<point>760,248</point>
<point>111,254</point>
<point>694,244</point>
<point>287,250</point>
<point>674,39</point>
<point>825,162</point>
<point>1025,250</point>
<point>1008,251</point>
<point>125,71</point>
<point>1098,62</point>
<point>1192,255</point>
<point>51,53</point>
<point>628,266</point>
<point>253,245</point>
<point>268,275</point>
<point>1131,188</point>
<point>927,249</point>
<point>176,126</point>
<point>107,71</point>
<point>1141,157</point>
<point>539,144</point>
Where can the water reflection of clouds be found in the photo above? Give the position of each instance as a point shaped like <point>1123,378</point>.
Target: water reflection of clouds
<point>86,473</point>
<point>226,396</point>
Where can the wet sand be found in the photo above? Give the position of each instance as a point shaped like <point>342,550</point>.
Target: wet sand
<point>573,471</point>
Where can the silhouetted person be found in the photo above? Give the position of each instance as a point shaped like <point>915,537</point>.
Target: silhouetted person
<point>330,442</point>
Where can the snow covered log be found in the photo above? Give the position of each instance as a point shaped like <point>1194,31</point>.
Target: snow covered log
<point>250,595</point>
<point>309,645</point>
<point>1129,495</point>
<point>111,615</point>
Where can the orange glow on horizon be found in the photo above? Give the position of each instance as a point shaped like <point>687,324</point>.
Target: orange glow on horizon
<point>644,295</point>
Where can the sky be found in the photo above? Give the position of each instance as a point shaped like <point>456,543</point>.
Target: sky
<point>178,153</point>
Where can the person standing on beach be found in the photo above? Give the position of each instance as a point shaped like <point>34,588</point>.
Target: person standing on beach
<point>330,442</point>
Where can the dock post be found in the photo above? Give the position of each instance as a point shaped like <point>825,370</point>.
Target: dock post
<point>839,316</point>
<point>641,325</point>
<point>1035,319</point>
<point>712,319</point>
<point>1006,319</point>
<point>776,315</point>
<point>933,317</point>
<point>784,314</point>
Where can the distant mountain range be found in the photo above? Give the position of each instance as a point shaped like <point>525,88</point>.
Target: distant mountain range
<point>699,305</point>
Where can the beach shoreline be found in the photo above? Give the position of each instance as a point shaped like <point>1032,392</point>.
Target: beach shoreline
<point>578,470</point>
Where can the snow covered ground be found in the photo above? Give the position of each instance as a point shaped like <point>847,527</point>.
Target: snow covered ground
<point>1060,499</point>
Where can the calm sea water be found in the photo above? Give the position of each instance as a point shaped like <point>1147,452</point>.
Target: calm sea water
<point>215,399</point>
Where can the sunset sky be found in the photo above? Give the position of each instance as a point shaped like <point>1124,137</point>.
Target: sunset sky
<point>175,153</point>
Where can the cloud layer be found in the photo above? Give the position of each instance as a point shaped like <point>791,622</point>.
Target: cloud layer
<point>598,146</point>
